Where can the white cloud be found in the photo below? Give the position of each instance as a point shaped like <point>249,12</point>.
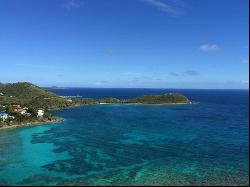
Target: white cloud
<point>99,83</point>
<point>72,4</point>
<point>209,47</point>
<point>245,82</point>
<point>165,6</point>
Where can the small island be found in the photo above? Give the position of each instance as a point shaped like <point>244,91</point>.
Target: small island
<point>25,104</point>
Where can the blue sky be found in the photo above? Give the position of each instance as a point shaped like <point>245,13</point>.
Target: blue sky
<point>125,43</point>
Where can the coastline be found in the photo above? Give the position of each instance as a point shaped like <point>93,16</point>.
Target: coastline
<point>167,104</point>
<point>122,103</point>
<point>58,119</point>
<point>33,123</point>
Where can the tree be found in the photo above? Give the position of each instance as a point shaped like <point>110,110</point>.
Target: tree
<point>32,111</point>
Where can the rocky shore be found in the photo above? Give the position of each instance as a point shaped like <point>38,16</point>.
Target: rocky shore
<point>33,123</point>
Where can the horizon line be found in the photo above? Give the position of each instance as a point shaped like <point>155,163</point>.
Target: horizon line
<point>86,87</point>
<point>66,87</point>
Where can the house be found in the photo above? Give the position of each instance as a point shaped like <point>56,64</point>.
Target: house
<point>23,112</point>
<point>40,113</point>
<point>28,114</point>
<point>16,106</point>
<point>20,110</point>
<point>12,117</point>
<point>3,115</point>
<point>1,94</point>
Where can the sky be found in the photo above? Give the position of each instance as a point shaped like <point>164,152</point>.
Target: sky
<point>125,43</point>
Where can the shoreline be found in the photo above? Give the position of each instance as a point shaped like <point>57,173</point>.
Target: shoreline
<point>31,124</point>
<point>123,103</point>
<point>138,104</point>
<point>59,120</point>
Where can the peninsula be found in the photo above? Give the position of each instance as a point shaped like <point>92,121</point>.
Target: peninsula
<point>24,103</point>
<point>167,98</point>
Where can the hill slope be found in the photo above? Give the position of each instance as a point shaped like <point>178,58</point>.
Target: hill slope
<point>27,94</point>
<point>168,98</point>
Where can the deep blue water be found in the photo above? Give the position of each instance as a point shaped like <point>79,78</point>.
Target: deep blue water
<point>201,144</point>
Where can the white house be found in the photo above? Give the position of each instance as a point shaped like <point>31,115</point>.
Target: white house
<point>12,117</point>
<point>40,113</point>
<point>3,115</point>
<point>23,112</point>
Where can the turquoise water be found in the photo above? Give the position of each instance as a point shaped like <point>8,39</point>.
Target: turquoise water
<point>203,144</point>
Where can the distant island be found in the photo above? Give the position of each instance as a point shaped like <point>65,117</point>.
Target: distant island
<point>24,103</point>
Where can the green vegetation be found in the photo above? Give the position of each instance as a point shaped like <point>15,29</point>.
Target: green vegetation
<point>27,94</point>
<point>168,98</point>
<point>31,96</point>
<point>109,100</point>
<point>86,101</point>
<point>21,101</point>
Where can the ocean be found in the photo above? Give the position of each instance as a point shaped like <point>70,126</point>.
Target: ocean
<point>128,144</point>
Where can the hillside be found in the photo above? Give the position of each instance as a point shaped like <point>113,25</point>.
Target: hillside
<point>168,98</point>
<point>27,94</point>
